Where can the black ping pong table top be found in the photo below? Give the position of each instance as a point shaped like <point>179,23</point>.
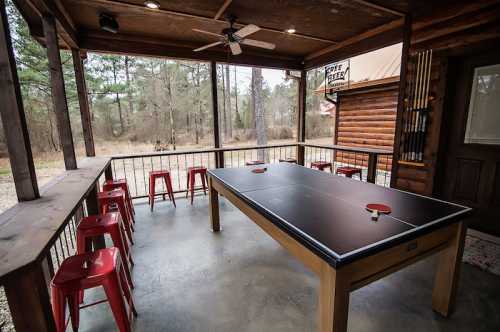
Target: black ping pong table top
<point>327,213</point>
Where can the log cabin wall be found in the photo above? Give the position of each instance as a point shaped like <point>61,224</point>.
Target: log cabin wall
<point>459,30</point>
<point>367,118</point>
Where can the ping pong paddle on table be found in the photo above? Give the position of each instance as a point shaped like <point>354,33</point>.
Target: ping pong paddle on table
<point>377,209</point>
<point>259,170</point>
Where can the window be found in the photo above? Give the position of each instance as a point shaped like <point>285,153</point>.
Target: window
<point>483,122</point>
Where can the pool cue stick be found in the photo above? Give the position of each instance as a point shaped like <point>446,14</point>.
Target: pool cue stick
<point>421,106</point>
<point>426,111</point>
<point>418,110</point>
<point>415,106</point>
<point>409,104</point>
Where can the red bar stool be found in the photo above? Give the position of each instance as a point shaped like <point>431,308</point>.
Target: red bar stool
<point>120,184</point>
<point>254,162</point>
<point>288,160</point>
<point>349,171</point>
<point>110,223</point>
<point>321,165</point>
<point>108,199</point>
<point>165,175</point>
<point>191,172</point>
<point>93,269</point>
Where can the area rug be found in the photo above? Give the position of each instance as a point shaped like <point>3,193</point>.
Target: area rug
<point>483,253</point>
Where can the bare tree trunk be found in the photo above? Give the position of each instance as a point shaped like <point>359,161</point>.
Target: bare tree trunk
<point>237,114</point>
<point>259,115</point>
<point>170,107</point>
<point>155,109</point>
<point>129,91</point>
<point>118,102</point>
<point>228,103</point>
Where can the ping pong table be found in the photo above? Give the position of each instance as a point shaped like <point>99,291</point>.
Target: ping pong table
<point>321,219</point>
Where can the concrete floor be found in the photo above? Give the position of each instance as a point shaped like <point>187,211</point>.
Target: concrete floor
<point>190,279</point>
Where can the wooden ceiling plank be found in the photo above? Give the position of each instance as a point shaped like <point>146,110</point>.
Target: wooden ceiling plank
<point>222,9</point>
<point>367,34</point>
<point>162,11</point>
<point>380,8</point>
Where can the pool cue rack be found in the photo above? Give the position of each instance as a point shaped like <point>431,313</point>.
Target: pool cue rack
<point>416,109</point>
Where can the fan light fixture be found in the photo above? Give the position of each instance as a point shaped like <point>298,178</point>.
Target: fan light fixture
<point>108,23</point>
<point>290,30</point>
<point>151,4</point>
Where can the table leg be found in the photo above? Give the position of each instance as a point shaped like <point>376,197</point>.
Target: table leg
<point>447,274</point>
<point>333,308</point>
<point>213,196</point>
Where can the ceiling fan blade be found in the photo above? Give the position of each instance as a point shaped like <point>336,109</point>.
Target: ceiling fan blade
<point>207,46</point>
<point>209,33</point>
<point>235,48</point>
<point>258,43</point>
<point>247,30</point>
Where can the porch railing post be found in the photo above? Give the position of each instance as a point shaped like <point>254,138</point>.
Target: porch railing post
<point>58,91</point>
<point>13,118</point>
<point>28,295</point>
<point>301,118</point>
<point>92,209</point>
<point>372,167</point>
<point>108,172</point>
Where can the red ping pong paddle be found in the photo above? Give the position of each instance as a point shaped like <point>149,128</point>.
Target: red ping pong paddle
<point>259,170</point>
<point>377,209</point>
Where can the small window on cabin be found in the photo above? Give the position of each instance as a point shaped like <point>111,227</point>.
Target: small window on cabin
<point>483,123</point>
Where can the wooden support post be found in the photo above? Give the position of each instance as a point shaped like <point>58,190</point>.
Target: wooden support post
<point>13,118</point>
<point>81,87</point>
<point>448,272</point>
<point>59,92</point>
<point>29,300</point>
<point>108,172</point>
<point>333,296</point>
<point>372,167</point>
<point>98,242</point>
<point>301,117</point>
<point>213,196</point>
<point>219,155</point>
<point>405,54</point>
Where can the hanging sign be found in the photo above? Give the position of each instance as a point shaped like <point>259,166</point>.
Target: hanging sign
<point>337,77</point>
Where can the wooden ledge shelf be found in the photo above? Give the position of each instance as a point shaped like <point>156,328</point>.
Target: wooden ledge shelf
<point>411,163</point>
<point>28,229</point>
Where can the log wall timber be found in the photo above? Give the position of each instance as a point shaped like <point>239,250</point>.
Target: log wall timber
<point>451,32</point>
<point>367,119</point>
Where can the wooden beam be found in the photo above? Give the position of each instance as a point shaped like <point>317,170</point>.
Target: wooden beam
<point>379,7</point>
<point>141,9</point>
<point>146,46</point>
<point>301,117</point>
<point>66,27</point>
<point>81,87</point>
<point>222,9</point>
<point>219,156</point>
<point>367,34</point>
<point>13,117</point>
<point>59,92</point>
<point>405,54</point>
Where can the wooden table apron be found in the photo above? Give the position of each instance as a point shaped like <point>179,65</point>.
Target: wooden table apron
<point>337,283</point>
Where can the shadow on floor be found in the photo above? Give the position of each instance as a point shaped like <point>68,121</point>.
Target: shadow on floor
<point>190,279</point>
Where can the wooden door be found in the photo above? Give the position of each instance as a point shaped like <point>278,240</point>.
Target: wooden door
<point>471,130</point>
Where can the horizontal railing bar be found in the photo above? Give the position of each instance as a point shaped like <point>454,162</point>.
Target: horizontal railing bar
<point>347,148</point>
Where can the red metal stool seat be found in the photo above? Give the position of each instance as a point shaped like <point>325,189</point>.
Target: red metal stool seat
<point>120,184</point>
<point>110,223</point>
<point>108,199</point>
<point>191,172</point>
<point>349,171</point>
<point>321,165</point>
<point>165,175</point>
<point>288,160</point>
<point>254,162</point>
<point>77,273</point>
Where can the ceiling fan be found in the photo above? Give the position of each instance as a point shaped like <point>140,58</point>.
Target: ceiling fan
<point>233,37</point>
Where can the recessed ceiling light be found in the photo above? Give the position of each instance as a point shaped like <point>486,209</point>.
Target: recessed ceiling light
<point>290,30</point>
<point>152,4</point>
